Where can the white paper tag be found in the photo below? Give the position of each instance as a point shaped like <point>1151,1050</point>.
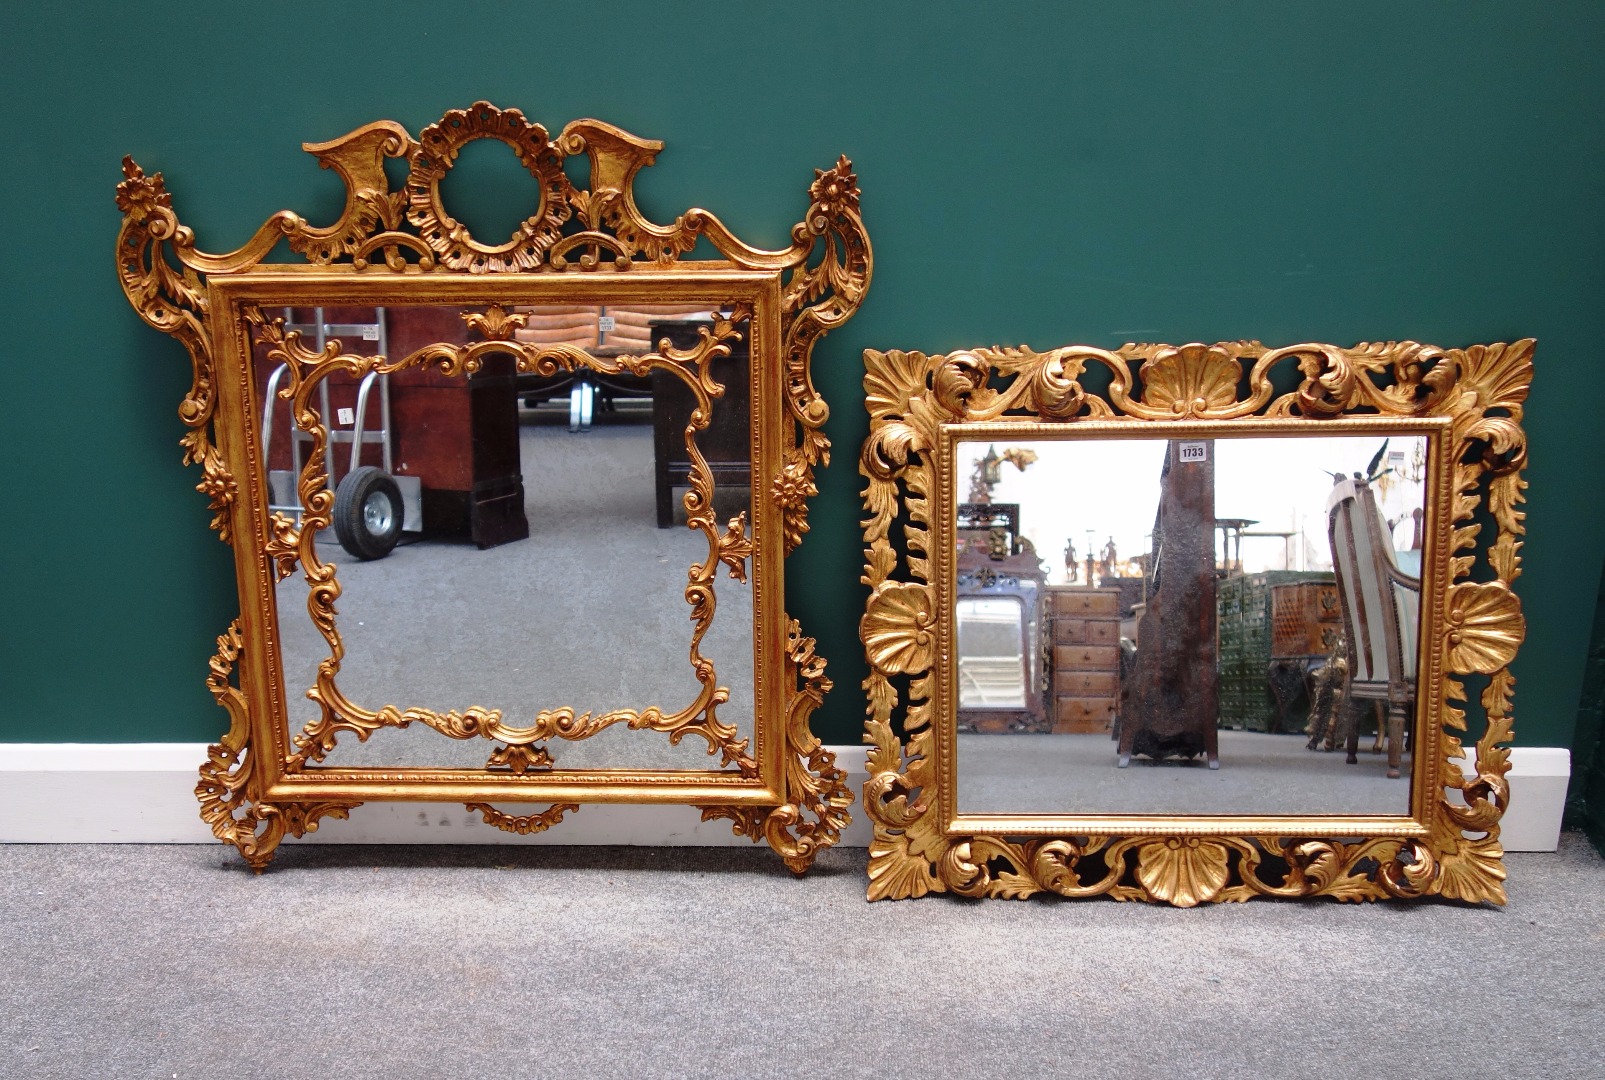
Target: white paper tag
<point>1192,451</point>
<point>370,333</point>
<point>604,323</point>
<point>347,417</point>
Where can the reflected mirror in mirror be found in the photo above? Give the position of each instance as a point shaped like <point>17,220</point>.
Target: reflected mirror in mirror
<point>992,641</point>
<point>1188,626</point>
<point>513,540</point>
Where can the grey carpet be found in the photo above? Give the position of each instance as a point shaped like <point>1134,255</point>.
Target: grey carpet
<point>589,612</point>
<point>614,962</point>
<point>1258,774</point>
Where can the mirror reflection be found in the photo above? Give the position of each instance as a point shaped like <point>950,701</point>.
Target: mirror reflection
<point>1188,626</point>
<point>993,637</point>
<point>516,541</point>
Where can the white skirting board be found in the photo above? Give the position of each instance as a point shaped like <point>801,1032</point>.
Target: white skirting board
<point>143,793</point>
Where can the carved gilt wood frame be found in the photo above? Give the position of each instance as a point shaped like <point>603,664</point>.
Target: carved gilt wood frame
<point>1470,400</point>
<point>588,246</point>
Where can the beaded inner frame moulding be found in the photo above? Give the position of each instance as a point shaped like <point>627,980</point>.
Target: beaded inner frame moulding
<point>584,246</point>
<point>1466,403</point>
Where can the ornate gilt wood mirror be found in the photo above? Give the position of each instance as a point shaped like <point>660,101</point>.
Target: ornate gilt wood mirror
<point>1284,574</point>
<point>509,519</point>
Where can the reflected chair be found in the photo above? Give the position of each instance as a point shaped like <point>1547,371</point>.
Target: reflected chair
<point>1381,612</point>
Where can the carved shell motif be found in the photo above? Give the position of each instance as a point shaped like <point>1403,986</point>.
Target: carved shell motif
<point>1190,381</point>
<point>899,629</point>
<point>1184,871</point>
<point>1485,627</point>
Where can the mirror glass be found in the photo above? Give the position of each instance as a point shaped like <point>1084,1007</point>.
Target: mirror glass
<point>516,541</point>
<point>992,644</point>
<point>1187,626</point>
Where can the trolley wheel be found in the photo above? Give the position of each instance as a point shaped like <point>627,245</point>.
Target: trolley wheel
<point>368,512</point>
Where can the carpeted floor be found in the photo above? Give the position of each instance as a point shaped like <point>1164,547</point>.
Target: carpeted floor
<point>617,962</point>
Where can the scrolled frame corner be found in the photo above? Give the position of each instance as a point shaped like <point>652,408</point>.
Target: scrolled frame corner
<point>1476,395</point>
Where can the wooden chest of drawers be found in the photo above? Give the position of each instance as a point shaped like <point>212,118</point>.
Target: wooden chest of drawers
<point>1084,657</point>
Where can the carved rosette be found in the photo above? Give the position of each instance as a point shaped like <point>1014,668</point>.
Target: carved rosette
<point>824,273</point>
<point>1481,390</point>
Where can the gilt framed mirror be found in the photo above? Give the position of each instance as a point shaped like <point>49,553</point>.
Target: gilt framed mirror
<point>1192,624</point>
<point>509,519</point>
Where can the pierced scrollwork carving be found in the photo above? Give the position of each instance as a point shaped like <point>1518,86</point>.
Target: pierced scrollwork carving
<point>230,788</point>
<point>1480,391</point>
<point>408,240</point>
<point>437,149</point>
<point>817,813</point>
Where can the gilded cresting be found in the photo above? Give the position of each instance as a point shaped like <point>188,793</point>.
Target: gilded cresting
<point>1449,844</point>
<point>255,786</point>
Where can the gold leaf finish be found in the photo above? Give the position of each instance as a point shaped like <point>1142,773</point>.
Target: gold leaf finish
<point>899,629</point>
<point>436,153</point>
<point>1485,627</point>
<point>1190,382</point>
<point>1449,846</point>
<point>404,246</point>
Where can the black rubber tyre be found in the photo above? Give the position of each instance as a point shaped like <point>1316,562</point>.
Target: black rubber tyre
<point>368,513</point>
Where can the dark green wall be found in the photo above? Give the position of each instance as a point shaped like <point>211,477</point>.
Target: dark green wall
<point>1585,800</point>
<point>1094,173</point>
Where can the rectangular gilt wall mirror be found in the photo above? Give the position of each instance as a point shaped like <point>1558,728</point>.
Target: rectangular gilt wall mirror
<point>1192,624</point>
<point>509,519</point>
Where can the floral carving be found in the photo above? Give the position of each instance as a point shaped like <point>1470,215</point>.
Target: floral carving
<point>496,324</point>
<point>527,825</point>
<point>792,489</point>
<point>1475,396</point>
<point>519,759</point>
